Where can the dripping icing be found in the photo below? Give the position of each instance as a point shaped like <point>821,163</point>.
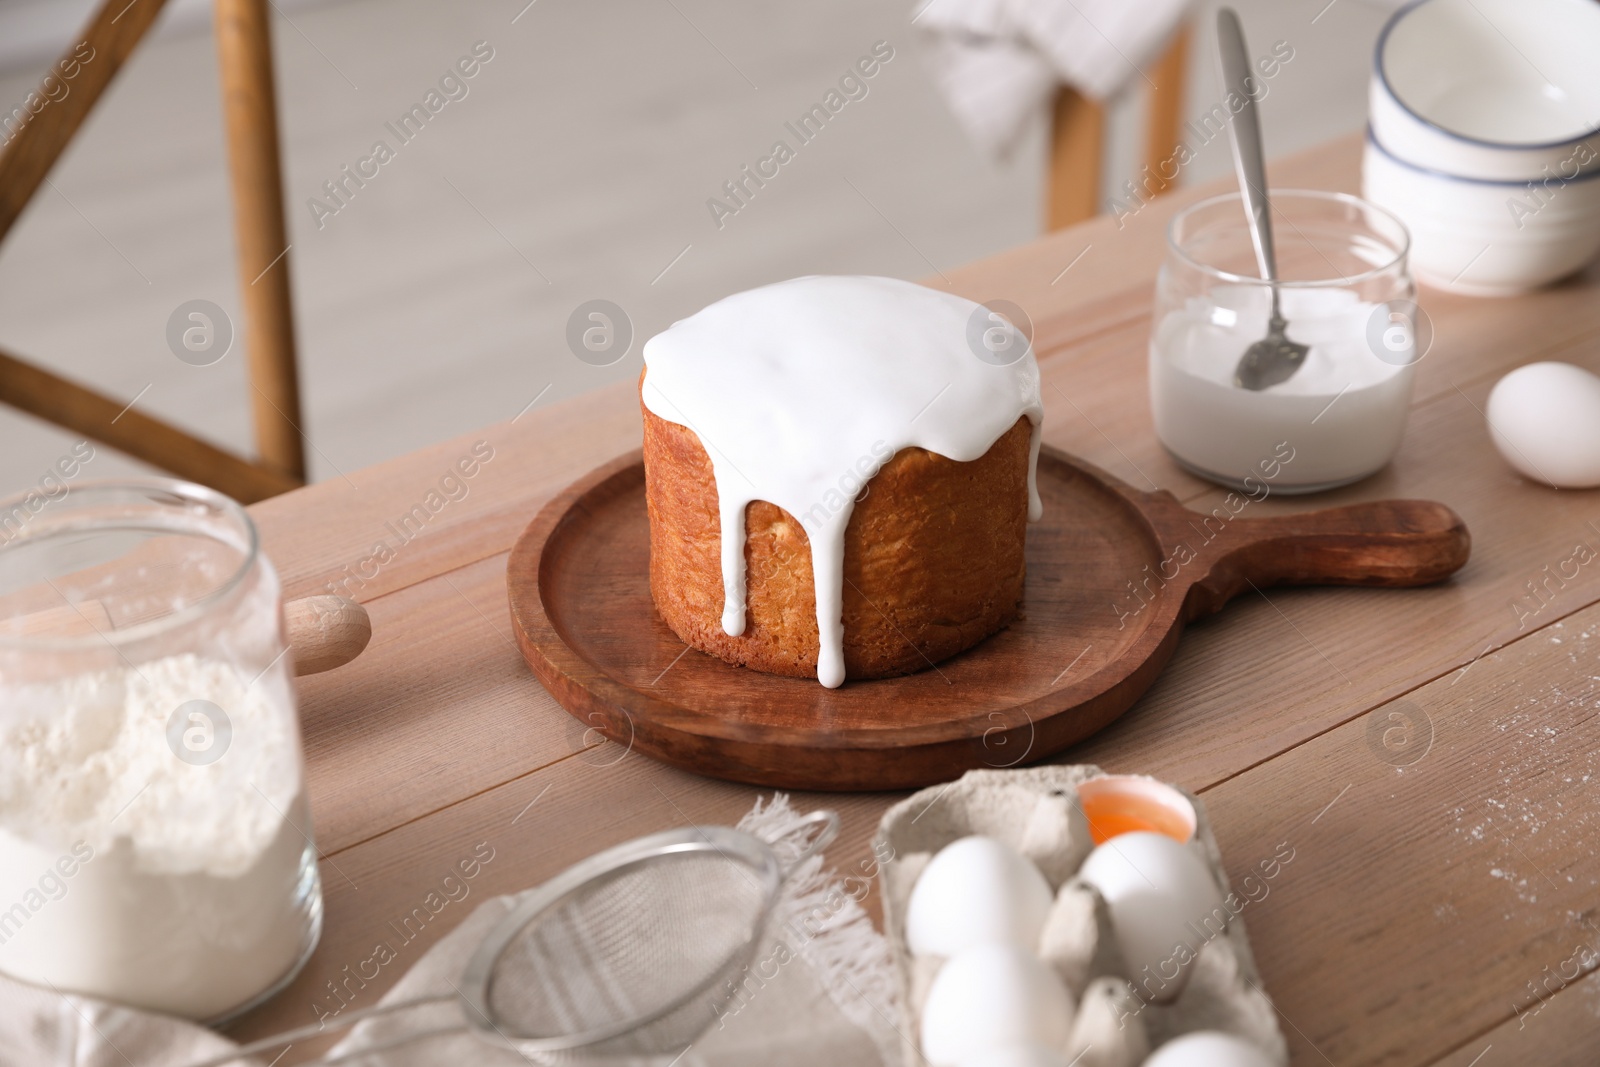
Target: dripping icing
<point>798,390</point>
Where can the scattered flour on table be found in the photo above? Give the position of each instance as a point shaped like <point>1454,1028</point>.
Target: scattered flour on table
<point>1543,725</point>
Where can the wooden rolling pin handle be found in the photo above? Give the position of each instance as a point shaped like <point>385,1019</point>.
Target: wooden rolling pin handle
<point>325,632</point>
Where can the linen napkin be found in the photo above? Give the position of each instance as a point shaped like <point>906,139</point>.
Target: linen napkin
<point>820,990</point>
<point>998,62</point>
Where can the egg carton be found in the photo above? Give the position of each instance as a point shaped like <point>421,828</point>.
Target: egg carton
<point>1035,811</point>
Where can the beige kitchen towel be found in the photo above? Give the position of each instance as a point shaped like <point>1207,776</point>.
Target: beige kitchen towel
<point>820,990</point>
<point>42,1027</point>
<point>998,62</point>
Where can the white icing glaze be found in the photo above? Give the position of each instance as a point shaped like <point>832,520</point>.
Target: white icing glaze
<point>801,390</point>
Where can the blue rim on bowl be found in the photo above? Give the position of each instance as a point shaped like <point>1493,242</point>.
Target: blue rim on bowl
<point>1383,76</point>
<point>1509,183</point>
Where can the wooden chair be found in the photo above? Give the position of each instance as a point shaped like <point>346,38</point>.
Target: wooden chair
<point>1077,139</point>
<point>249,106</point>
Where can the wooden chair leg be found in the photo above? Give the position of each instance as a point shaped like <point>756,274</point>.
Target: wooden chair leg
<point>249,104</point>
<point>34,136</point>
<point>1077,143</point>
<point>35,139</point>
<point>1169,76</point>
<point>124,427</point>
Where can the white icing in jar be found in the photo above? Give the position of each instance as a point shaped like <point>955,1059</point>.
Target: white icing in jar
<point>1345,293</point>
<point>1342,414</point>
<point>793,386</point>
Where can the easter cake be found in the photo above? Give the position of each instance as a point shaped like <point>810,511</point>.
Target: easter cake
<point>839,473</point>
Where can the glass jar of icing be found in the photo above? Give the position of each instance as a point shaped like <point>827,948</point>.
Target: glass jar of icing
<point>155,843</point>
<point>1345,291</point>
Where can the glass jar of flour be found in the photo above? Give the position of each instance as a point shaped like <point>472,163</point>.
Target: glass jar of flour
<point>155,842</point>
<point>1345,291</point>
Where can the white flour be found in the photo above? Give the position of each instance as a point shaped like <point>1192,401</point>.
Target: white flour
<point>194,898</point>
<point>1342,413</point>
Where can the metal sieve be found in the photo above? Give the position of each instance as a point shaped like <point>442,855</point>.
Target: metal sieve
<point>624,958</point>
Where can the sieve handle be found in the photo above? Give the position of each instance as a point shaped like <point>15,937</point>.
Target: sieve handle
<point>826,826</point>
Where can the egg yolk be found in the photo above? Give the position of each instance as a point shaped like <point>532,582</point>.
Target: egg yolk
<point>1113,814</point>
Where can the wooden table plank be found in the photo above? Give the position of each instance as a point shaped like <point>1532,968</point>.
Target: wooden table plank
<point>1269,673</point>
<point>1557,1030</point>
<point>330,532</point>
<point>426,721</point>
<point>1425,900</point>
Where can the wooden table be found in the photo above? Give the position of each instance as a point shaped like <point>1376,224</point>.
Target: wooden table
<point>1432,756</point>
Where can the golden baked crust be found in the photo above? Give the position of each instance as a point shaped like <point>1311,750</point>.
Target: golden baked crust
<point>933,558</point>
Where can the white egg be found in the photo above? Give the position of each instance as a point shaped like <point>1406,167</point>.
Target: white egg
<point>1545,420</point>
<point>1015,1056</point>
<point>975,891</point>
<point>1208,1048</point>
<point>1164,907</point>
<point>991,997</point>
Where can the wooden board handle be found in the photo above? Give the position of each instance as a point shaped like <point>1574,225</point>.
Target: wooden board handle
<point>325,632</point>
<point>1389,543</point>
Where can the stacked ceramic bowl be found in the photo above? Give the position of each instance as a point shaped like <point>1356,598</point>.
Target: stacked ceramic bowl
<point>1484,138</point>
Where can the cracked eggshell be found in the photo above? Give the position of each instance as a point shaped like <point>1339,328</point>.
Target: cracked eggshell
<point>976,891</point>
<point>990,997</point>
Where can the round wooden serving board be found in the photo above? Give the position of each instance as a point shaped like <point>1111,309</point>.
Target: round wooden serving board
<point>1113,574</point>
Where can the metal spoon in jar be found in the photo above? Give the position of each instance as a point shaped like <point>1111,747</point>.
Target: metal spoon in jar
<point>1274,358</point>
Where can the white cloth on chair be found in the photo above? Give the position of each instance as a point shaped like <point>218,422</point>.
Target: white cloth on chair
<point>998,62</point>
